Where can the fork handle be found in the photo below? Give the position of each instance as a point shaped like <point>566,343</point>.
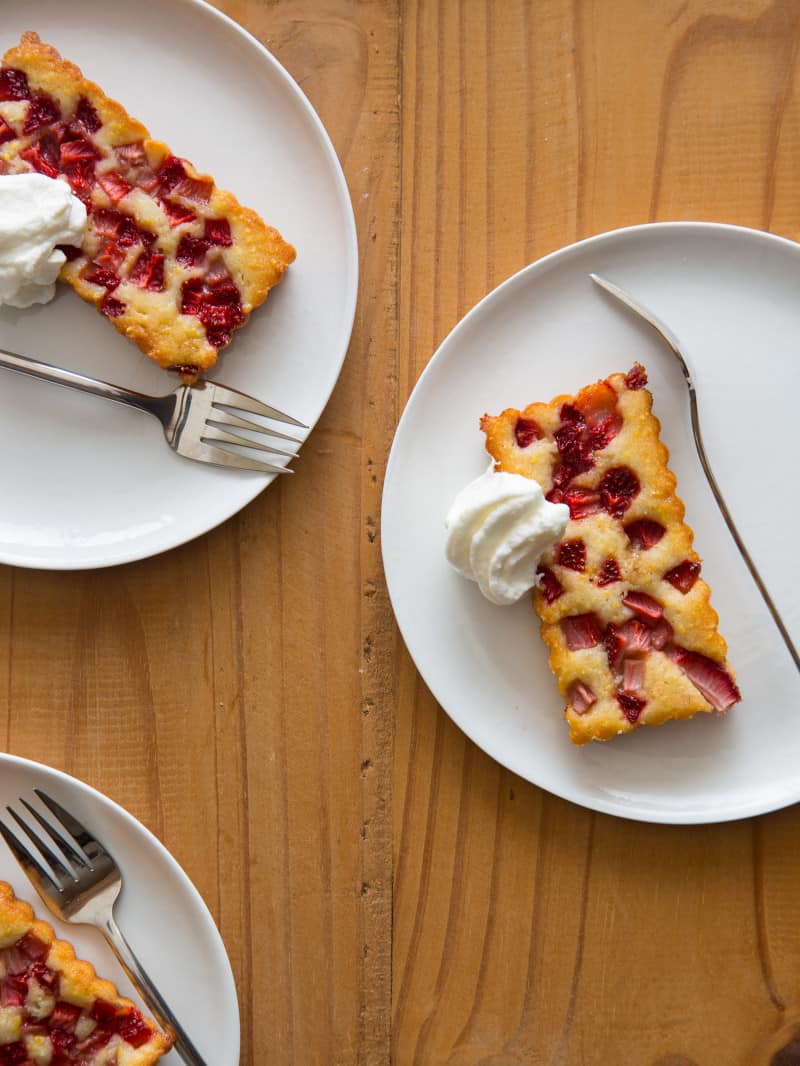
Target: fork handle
<point>72,380</point>
<point>149,993</point>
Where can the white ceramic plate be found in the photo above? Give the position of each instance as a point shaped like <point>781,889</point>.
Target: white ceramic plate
<point>85,483</point>
<point>731,295</point>
<point>160,912</point>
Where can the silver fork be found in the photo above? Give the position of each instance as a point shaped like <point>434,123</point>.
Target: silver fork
<point>192,416</point>
<point>671,340</point>
<point>82,885</point>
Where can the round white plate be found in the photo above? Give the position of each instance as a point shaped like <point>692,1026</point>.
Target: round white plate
<point>731,296</point>
<point>160,912</point>
<point>86,483</point>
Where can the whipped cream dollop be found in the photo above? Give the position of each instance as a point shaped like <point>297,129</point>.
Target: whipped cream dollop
<point>498,528</point>
<point>36,214</point>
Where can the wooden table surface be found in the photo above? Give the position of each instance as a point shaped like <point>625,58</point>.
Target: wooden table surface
<point>385,890</point>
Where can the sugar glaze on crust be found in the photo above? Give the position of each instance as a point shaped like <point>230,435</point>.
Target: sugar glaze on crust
<point>176,263</point>
<point>627,619</point>
<point>55,1004</point>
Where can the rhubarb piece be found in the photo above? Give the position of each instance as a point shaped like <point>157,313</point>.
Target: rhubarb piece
<point>137,193</point>
<point>57,1010</point>
<point>642,653</point>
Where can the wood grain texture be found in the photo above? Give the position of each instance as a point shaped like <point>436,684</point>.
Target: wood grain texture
<point>386,892</point>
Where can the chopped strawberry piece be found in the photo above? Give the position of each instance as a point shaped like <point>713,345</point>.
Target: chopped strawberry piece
<point>644,533</point>
<point>581,631</point>
<point>580,697</point>
<point>218,231</point>
<point>637,636</point>
<point>13,990</point>
<point>614,642</point>
<point>577,461</point>
<point>110,256</point>
<point>14,1055</point>
<point>148,271</point>
<point>618,488</point>
<point>643,605</point>
<point>134,1030</point>
<point>111,306</point>
<point>106,222</point>
<point>567,437</point>
<point>633,675</point>
<point>81,177</point>
<point>33,947</point>
<point>549,584</point>
<point>660,633</point>
<point>714,682</point>
<point>197,189</point>
<point>44,975</point>
<point>6,132</point>
<point>147,180</point>
<point>526,430</point>
<point>217,274</point>
<point>14,84</point>
<point>572,555</point>
<point>609,573</point>
<point>221,316</point>
<point>77,151</point>
<point>65,1015</point>
<point>684,575</point>
<point>103,1012</point>
<point>192,296</point>
<point>191,250</point>
<point>636,378</point>
<point>176,213</point>
<point>146,236</point>
<point>70,252</point>
<point>570,413</point>
<point>42,155</point>
<point>131,155</point>
<point>581,501</point>
<point>632,706</point>
<point>99,275</point>
<point>170,173</point>
<point>603,432</point>
<point>218,336</point>
<point>95,1042</point>
<point>114,185</point>
<point>87,116</point>
<point>42,111</point>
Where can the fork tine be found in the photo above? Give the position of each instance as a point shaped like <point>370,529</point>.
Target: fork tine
<point>29,864</point>
<point>221,435</point>
<point>234,398</point>
<point>243,462</point>
<point>92,847</point>
<point>58,871</point>
<point>225,418</point>
<point>60,841</point>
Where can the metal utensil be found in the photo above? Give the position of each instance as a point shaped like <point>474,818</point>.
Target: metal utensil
<point>192,416</point>
<point>82,886</point>
<point>672,341</point>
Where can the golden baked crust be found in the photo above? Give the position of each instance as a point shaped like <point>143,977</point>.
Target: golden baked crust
<point>149,301</point>
<point>632,635</point>
<point>40,978</point>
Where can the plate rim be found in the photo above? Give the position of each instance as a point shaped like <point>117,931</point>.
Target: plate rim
<point>152,841</point>
<point>349,307</point>
<point>599,803</point>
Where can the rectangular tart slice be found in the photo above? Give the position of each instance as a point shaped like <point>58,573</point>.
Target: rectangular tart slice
<point>175,262</point>
<point>55,1010</point>
<point>627,618</point>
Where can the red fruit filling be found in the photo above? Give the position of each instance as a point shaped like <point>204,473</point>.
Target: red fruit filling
<point>15,1055</point>
<point>601,434</point>
<point>580,697</point>
<point>98,275</point>
<point>111,306</point>
<point>632,706</point>
<point>194,189</point>
<point>660,633</point>
<point>218,231</point>
<point>549,584</point>
<point>77,151</point>
<point>42,155</point>
<point>148,271</point>
<point>684,575</point>
<point>636,378</point>
<point>645,606</point>
<point>114,185</point>
<point>572,555</point>
<point>609,573</point>
<point>581,501</point>
<point>33,947</point>
<point>42,111</point>
<point>633,675</point>
<point>6,133</point>
<point>618,488</point>
<point>708,677</point>
<point>131,155</point>
<point>134,1030</point>
<point>64,1015</point>
<point>581,631</point>
<point>525,431</point>
<point>110,256</point>
<point>644,533</point>
<point>170,173</point>
<point>216,302</point>
<point>87,116</point>
<point>631,639</point>
<point>191,250</point>
<point>176,213</point>
<point>116,225</point>
<point>13,990</point>
<point>14,84</point>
